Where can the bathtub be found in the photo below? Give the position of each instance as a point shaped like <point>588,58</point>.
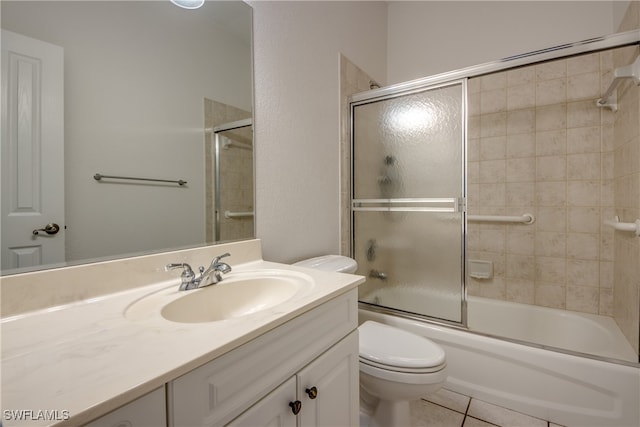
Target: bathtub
<point>564,388</point>
<point>569,330</point>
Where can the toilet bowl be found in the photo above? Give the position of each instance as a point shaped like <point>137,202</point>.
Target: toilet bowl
<point>396,366</point>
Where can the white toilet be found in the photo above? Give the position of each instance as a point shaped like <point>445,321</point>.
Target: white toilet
<point>396,366</point>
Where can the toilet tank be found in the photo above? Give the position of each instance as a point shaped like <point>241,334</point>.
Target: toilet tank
<point>337,263</point>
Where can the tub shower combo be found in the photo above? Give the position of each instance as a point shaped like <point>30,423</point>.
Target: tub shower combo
<point>494,211</point>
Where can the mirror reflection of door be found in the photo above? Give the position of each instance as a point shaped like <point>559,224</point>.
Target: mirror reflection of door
<point>32,152</point>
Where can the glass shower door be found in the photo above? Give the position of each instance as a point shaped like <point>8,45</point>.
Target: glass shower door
<point>233,158</point>
<point>408,200</point>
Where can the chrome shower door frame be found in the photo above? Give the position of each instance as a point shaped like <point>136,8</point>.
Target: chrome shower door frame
<point>418,204</point>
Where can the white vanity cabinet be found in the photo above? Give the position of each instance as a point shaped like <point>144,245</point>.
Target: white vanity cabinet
<point>255,383</point>
<point>324,393</point>
<point>146,411</point>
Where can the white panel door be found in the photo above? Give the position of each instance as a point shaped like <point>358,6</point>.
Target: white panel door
<point>32,156</point>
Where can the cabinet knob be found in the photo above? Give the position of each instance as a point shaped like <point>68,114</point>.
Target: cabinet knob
<point>295,407</point>
<point>312,392</point>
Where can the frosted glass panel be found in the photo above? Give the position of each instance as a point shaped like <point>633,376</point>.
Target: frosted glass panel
<point>412,261</point>
<point>411,146</point>
<point>408,178</point>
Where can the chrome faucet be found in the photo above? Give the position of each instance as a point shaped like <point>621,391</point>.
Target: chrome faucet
<point>210,276</point>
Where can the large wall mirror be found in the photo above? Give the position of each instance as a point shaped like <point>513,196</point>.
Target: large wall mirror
<point>97,92</point>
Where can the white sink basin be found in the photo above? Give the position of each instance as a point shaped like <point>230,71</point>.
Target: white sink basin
<point>239,294</point>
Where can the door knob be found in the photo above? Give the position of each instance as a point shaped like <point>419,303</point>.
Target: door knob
<point>50,229</point>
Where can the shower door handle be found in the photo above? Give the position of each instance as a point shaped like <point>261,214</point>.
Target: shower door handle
<point>442,204</point>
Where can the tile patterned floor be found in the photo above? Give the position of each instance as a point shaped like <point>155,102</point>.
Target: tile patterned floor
<point>448,409</point>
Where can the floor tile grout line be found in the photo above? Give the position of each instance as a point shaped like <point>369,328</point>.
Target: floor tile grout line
<point>445,407</point>
<point>480,419</point>
<point>466,411</point>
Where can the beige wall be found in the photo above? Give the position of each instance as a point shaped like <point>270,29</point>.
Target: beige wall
<point>297,121</point>
<point>430,37</point>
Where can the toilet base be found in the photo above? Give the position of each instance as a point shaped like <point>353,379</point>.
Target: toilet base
<point>387,417</point>
<point>366,420</point>
<point>376,412</point>
<point>392,413</point>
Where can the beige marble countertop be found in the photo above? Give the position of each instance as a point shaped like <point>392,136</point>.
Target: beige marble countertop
<point>87,358</point>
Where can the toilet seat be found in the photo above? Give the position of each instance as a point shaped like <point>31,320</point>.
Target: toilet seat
<point>401,369</point>
<point>397,350</point>
<point>437,375</point>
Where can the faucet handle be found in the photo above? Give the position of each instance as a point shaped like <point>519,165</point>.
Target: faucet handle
<point>188,277</point>
<point>187,271</point>
<point>217,259</point>
<point>186,267</point>
<point>218,268</point>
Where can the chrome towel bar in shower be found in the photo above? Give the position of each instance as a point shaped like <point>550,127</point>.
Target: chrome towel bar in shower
<point>523,219</point>
<point>99,177</point>
<point>229,214</point>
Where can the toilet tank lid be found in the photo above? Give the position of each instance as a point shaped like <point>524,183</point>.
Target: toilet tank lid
<point>391,346</point>
<point>338,263</point>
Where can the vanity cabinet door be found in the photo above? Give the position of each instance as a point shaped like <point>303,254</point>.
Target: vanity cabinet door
<point>275,409</point>
<point>146,411</point>
<point>329,386</point>
<point>324,393</point>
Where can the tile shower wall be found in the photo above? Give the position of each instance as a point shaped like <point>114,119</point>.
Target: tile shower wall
<point>237,169</point>
<point>538,144</point>
<point>626,159</point>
